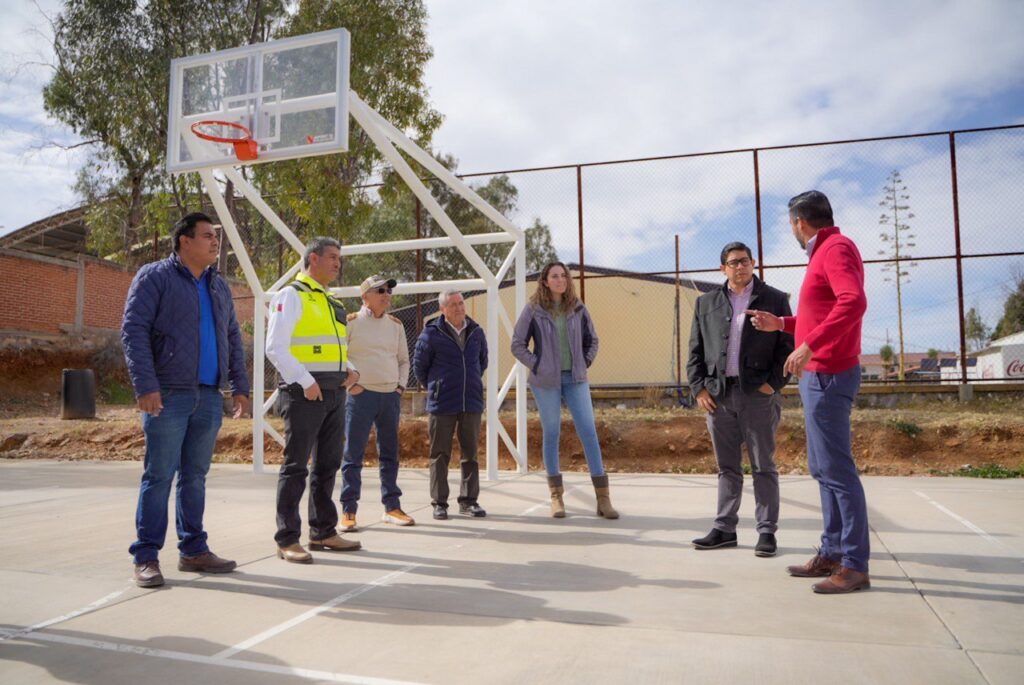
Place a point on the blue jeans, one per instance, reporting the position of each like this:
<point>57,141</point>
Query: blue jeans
<point>363,411</point>
<point>828,399</point>
<point>577,398</point>
<point>178,440</point>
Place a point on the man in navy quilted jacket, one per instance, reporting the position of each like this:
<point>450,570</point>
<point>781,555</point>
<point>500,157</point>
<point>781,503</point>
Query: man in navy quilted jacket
<point>182,344</point>
<point>450,358</point>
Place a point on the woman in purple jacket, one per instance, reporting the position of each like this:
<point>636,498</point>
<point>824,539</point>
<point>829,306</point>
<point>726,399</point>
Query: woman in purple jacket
<point>564,346</point>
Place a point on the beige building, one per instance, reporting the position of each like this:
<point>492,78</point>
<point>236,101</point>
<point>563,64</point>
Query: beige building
<point>635,315</point>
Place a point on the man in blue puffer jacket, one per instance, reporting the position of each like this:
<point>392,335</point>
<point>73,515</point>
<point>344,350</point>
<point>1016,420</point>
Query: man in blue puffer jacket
<point>450,359</point>
<point>182,344</point>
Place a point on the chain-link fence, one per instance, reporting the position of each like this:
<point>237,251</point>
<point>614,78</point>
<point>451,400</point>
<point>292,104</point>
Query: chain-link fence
<point>934,216</point>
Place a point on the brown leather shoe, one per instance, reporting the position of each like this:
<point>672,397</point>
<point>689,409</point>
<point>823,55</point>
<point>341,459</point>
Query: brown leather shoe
<point>147,574</point>
<point>817,567</point>
<point>843,580</point>
<point>207,562</point>
<point>335,543</point>
<point>295,554</point>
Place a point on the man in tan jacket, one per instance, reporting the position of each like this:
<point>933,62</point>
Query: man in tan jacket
<point>377,349</point>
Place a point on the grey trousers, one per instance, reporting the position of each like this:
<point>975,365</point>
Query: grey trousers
<point>752,420</point>
<point>442,430</point>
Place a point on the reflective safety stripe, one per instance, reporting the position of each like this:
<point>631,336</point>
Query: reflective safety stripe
<point>317,340</point>
<point>314,367</point>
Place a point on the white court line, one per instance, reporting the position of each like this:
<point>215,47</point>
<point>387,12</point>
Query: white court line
<point>301,618</point>
<point>968,524</point>
<point>341,599</point>
<point>306,673</point>
<point>66,617</point>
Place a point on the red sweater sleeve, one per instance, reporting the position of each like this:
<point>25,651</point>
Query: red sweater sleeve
<point>845,275</point>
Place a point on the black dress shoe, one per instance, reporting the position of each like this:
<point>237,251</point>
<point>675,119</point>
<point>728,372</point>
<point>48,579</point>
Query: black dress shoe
<point>766,545</point>
<point>473,510</point>
<point>715,539</point>
<point>440,512</point>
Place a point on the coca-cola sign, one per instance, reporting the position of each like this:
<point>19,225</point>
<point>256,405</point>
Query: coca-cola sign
<point>1015,368</point>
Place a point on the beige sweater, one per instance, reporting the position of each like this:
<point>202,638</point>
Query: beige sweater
<point>378,351</point>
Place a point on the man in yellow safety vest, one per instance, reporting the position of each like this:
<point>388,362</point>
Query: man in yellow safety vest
<point>306,342</point>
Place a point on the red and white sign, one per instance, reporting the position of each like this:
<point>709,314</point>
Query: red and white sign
<point>1015,368</point>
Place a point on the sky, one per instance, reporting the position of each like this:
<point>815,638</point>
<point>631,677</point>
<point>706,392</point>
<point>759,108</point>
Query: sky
<point>526,83</point>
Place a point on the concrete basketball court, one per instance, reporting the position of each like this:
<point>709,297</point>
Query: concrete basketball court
<point>514,598</point>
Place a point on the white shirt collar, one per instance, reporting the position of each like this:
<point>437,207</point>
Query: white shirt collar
<point>810,245</point>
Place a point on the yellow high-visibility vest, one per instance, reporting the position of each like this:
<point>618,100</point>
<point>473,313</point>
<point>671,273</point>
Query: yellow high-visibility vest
<point>319,338</point>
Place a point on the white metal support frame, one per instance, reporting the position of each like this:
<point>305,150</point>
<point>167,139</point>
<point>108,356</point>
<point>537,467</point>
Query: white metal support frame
<point>389,140</point>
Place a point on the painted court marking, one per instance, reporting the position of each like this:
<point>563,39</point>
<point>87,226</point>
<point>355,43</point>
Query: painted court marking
<point>65,617</point>
<point>970,526</point>
<point>223,658</point>
<point>238,664</point>
<point>303,617</point>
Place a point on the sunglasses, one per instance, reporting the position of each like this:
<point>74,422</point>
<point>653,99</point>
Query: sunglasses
<point>383,291</point>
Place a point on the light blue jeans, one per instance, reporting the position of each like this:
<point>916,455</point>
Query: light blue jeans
<point>577,399</point>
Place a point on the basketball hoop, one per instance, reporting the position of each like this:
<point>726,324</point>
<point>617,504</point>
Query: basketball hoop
<point>246,149</point>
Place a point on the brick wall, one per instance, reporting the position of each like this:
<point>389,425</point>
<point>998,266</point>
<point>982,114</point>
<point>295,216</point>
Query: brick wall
<point>36,295</point>
<point>106,287</point>
<point>40,295</point>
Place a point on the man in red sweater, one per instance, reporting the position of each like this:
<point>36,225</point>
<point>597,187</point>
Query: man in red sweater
<point>826,360</point>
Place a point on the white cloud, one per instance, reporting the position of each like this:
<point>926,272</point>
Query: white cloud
<point>528,83</point>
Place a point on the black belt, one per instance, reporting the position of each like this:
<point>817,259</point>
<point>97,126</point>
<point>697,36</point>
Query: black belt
<point>731,380</point>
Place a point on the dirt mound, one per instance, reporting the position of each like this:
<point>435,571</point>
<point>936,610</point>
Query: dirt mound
<point>665,441</point>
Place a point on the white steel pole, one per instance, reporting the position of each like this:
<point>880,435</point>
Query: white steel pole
<point>258,353</point>
<point>263,208</point>
<point>520,299</point>
<point>360,113</point>
<point>493,302</point>
<point>242,255</point>
<point>439,170</point>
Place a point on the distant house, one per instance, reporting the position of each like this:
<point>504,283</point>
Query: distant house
<point>635,316</point>
<point>917,366</point>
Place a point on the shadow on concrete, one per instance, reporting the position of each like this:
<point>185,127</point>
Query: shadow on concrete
<point>967,562</point>
<point>104,660</point>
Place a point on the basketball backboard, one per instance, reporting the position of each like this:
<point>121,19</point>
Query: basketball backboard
<point>292,94</point>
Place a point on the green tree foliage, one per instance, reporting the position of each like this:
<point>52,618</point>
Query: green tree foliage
<point>394,218</point>
<point>887,354</point>
<point>110,86</point>
<point>1012,320</point>
<point>975,330</point>
<point>322,195</point>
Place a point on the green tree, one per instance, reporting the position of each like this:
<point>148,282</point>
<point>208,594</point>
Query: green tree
<point>323,195</point>
<point>110,86</point>
<point>933,353</point>
<point>886,353</point>
<point>975,330</point>
<point>1012,320</point>
<point>896,236</point>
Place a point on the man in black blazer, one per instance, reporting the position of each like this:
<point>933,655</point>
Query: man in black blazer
<point>735,372</point>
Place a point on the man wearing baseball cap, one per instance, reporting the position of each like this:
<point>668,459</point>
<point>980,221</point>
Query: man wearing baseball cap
<point>377,349</point>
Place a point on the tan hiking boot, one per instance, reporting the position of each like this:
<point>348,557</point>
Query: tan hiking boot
<point>348,522</point>
<point>557,490</point>
<point>604,498</point>
<point>397,517</point>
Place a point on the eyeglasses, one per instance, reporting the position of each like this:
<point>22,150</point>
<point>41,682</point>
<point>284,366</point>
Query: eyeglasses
<point>383,291</point>
<point>734,263</point>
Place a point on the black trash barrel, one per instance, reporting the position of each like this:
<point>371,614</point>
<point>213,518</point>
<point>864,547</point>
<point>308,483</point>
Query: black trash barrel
<point>78,394</point>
